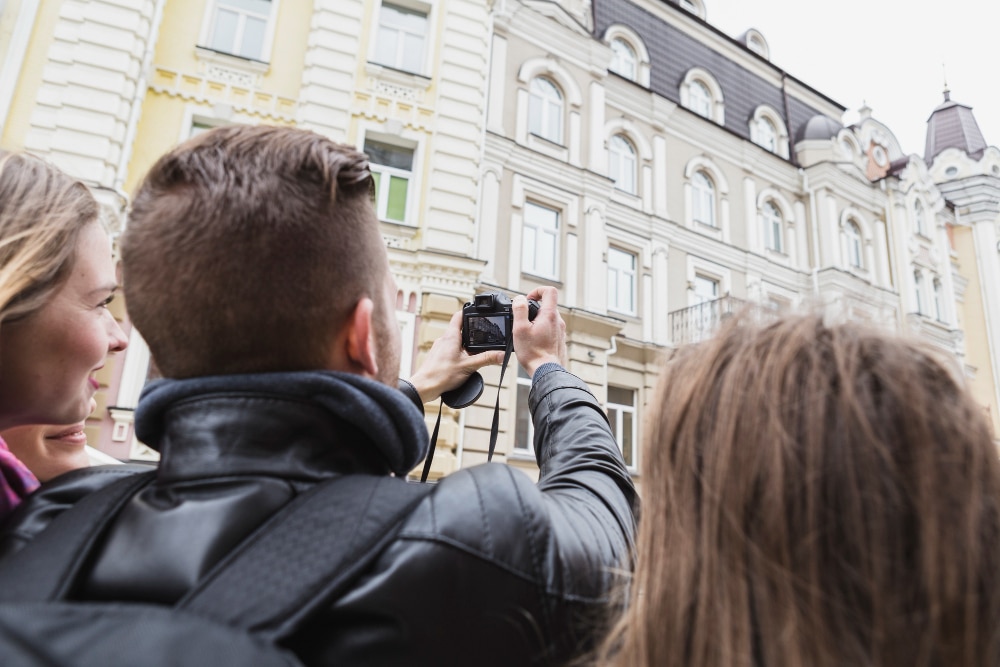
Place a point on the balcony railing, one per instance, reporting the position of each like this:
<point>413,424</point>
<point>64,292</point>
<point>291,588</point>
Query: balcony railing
<point>697,323</point>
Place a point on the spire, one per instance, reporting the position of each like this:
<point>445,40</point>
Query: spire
<point>947,90</point>
<point>952,125</point>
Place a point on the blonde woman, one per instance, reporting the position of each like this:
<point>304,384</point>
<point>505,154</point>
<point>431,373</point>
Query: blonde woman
<point>814,495</point>
<point>57,278</point>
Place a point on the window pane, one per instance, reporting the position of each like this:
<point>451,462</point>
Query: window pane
<point>385,47</point>
<point>627,442</point>
<point>376,177</point>
<point>254,6</point>
<point>546,254</point>
<point>705,289</point>
<point>254,30</point>
<point>224,31</point>
<point>382,153</point>
<point>621,396</point>
<point>396,209</point>
<point>413,53</point>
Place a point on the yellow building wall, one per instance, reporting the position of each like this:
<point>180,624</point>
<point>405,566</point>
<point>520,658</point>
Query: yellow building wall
<point>30,80</point>
<point>983,386</point>
<point>178,87</point>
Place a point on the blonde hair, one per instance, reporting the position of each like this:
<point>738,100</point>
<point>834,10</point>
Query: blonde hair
<point>814,495</point>
<point>42,212</point>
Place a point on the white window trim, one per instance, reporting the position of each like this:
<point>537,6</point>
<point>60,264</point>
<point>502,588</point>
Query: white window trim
<point>919,206</point>
<point>525,190</point>
<point>717,110</point>
<point>636,163</point>
<point>919,293</point>
<point>707,269</point>
<point>429,38</point>
<point>867,258</point>
<point>405,139</point>
<point>632,38</point>
<point>528,451</point>
<point>617,427</point>
<point>546,111</point>
<point>634,277</point>
<point>559,233</point>
<point>266,50</point>
<point>696,7</point>
<point>781,131</point>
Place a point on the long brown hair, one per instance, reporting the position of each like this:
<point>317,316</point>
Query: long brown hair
<point>814,495</point>
<point>42,212</point>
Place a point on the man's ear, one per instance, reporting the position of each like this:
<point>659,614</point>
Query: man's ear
<point>358,343</point>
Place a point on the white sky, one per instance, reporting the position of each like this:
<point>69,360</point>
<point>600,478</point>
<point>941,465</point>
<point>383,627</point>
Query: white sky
<point>888,53</point>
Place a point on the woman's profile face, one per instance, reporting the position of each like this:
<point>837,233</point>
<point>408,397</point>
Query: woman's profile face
<point>48,359</point>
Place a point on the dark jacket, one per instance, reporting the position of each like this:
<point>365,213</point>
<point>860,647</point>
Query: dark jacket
<point>489,569</point>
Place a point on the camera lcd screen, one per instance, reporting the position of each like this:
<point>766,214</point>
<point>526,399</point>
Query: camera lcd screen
<point>487,329</point>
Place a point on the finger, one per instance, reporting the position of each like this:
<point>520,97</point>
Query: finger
<point>477,361</point>
<point>519,308</point>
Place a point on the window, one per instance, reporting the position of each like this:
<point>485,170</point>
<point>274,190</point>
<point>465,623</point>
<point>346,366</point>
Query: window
<point>623,59</point>
<point>853,234</point>
<point>700,99</point>
<point>392,169</point>
<point>938,300</point>
<point>918,291</point>
<point>524,430</point>
<point>621,281</point>
<point>540,249</point>
<point>704,289</point>
<point>401,36</point>
<point>240,27</point>
<point>621,415</point>
<point>920,218</point>
<point>622,163</point>
<point>545,110</point>
<point>773,227</point>
<point>702,199</point>
<point>767,134</point>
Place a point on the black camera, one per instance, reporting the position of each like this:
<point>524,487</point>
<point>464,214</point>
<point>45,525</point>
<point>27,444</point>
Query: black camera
<point>488,320</point>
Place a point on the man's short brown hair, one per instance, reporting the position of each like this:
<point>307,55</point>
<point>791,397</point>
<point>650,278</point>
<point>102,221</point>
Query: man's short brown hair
<point>246,249</point>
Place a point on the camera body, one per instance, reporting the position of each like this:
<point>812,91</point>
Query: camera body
<point>488,321</point>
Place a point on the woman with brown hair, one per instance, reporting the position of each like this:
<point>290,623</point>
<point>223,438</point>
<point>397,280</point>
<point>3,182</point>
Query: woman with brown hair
<point>56,280</point>
<point>814,495</point>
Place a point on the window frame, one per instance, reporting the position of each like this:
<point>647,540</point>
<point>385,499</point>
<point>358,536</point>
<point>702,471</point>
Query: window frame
<point>699,76</point>
<point>209,22</point>
<point>632,275</point>
<point>937,288</point>
<point>700,104</point>
<point>555,233</point>
<point>617,59</point>
<point>381,202</point>
<point>542,109</point>
<point>920,218</point>
<point>617,413</point>
<point>700,196</point>
<point>522,389</point>
<point>855,243</point>
<point>774,227</point>
<point>619,159</point>
<point>399,53</point>
<point>918,291</point>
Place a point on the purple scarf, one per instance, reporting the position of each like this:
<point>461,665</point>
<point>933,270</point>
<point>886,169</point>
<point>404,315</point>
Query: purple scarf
<point>16,481</point>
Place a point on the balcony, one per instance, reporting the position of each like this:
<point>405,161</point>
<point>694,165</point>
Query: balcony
<point>698,323</point>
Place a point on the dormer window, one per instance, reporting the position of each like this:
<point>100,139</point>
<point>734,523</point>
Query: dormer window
<point>624,61</point>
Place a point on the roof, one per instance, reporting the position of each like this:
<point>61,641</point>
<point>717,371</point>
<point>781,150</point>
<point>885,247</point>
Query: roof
<point>952,125</point>
<point>819,127</point>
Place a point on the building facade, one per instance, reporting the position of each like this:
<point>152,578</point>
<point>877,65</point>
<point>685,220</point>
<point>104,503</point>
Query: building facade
<point>659,173</point>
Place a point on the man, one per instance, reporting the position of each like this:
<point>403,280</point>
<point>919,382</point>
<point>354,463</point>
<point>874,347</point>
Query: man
<point>254,268</point>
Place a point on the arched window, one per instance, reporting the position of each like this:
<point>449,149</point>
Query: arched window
<point>702,199</point>
<point>622,163</point>
<point>773,227</point>
<point>767,134</point>
<point>920,218</point>
<point>854,254</point>
<point>918,291</point>
<point>545,110</point>
<point>700,99</point>
<point>624,61</point>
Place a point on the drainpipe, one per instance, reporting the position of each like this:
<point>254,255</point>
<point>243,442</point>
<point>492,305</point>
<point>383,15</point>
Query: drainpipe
<point>136,110</point>
<point>813,228</point>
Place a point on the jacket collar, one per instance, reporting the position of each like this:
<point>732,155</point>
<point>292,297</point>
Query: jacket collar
<point>274,417</point>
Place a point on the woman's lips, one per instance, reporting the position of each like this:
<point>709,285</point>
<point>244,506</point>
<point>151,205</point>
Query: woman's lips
<point>94,383</point>
<point>71,435</point>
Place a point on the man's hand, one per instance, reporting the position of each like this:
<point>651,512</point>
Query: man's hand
<point>447,364</point>
<point>544,339</point>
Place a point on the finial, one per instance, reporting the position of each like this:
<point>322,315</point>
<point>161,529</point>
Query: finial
<point>947,91</point>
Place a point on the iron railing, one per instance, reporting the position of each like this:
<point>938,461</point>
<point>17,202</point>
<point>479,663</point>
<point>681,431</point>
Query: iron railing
<point>699,322</point>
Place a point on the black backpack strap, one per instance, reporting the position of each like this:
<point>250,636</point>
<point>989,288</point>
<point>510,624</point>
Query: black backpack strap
<point>45,568</point>
<point>305,555</point>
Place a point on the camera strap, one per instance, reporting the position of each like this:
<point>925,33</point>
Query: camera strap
<point>494,430</point>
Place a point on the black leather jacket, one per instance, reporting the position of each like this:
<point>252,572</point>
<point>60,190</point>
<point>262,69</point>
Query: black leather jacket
<point>489,569</point>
